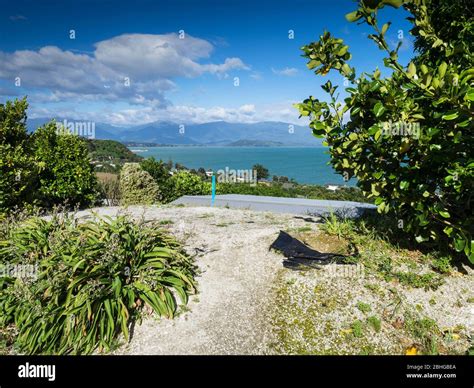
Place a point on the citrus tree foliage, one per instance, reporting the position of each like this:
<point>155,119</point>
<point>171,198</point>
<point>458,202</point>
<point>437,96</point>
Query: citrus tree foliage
<point>17,170</point>
<point>425,177</point>
<point>44,168</point>
<point>137,186</point>
<point>65,173</point>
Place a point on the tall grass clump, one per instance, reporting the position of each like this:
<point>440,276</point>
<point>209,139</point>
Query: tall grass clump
<point>91,281</point>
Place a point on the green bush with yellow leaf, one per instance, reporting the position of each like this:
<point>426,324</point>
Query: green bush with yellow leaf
<point>45,168</point>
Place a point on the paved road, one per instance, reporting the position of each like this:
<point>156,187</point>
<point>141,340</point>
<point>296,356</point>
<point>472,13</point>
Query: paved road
<point>280,205</point>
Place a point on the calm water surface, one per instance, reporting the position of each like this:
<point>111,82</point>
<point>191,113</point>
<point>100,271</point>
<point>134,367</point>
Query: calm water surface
<point>304,164</point>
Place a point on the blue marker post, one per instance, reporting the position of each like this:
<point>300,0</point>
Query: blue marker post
<point>213,196</point>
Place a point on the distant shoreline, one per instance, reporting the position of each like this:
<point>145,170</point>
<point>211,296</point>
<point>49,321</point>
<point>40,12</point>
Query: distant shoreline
<point>217,146</point>
<point>307,165</point>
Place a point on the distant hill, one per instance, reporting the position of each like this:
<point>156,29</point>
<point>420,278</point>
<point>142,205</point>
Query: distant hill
<point>102,131</point>
<point>110,155</point>
<point>106,150</point>
<point>213,133</point>
<point>220,133</point>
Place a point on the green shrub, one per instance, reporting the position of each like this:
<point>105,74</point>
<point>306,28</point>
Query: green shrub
<point>160,172</point>
<point>307,191</point>
<point>185,183</point>
<point>93,280</point>
<point>65,172</point>
<point>423,176</point>
<point>137,186</point>
<point>157,169</point>
<point>45,168</point>
<point>262,172</point>
<point>17,169</point>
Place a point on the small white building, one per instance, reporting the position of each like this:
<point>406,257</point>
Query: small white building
<point>332,187</point>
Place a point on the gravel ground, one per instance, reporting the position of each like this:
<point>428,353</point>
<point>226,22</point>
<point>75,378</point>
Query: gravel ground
<point>230,313</point>
<point>247,303</point>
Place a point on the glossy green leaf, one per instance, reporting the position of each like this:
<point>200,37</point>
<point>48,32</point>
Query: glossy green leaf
<point>379,109</point>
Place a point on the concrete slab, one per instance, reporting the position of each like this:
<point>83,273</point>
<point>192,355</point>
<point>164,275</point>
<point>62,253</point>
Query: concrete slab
<point>302,206</point>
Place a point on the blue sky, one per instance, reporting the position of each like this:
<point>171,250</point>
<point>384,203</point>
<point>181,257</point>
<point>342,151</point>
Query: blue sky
<point>181,80</point>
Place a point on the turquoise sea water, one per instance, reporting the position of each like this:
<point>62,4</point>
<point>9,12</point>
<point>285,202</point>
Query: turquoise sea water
<point>304,164</point>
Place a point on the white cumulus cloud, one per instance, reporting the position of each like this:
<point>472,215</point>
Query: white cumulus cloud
<point>129,67</point>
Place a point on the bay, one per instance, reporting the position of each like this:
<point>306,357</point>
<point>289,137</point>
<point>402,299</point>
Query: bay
<point>304,164</point>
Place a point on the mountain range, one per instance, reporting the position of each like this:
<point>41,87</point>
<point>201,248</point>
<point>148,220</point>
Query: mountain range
<point>222,133</point>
